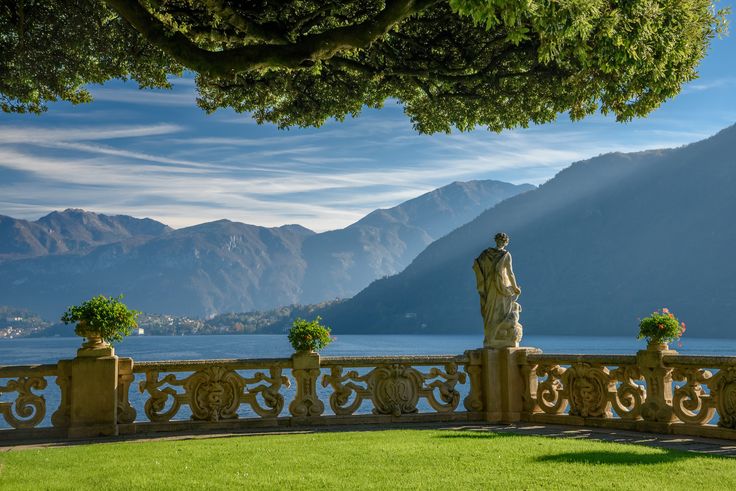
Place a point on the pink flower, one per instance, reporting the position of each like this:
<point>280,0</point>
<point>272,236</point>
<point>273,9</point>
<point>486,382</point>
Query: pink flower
<point>665,310</point>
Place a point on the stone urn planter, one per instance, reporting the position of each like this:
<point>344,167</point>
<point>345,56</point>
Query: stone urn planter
<point>93,338</point>
<point>655,345</point>
<point>100,320</point>
<point>660,329</point>
<point>308,337</point>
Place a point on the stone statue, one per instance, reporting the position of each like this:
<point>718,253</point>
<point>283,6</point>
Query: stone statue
<point>498,294</point>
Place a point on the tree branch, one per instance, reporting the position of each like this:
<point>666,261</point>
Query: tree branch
<point>269,33</point>
<point>309,49</point>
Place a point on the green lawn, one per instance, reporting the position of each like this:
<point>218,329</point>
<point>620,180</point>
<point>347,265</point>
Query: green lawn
<point>396,459</point>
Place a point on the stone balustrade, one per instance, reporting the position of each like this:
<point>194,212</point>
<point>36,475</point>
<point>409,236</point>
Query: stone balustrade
<point>656,391</point>
<point>28,407</point>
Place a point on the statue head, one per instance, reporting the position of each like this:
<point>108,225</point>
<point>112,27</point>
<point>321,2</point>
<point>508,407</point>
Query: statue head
<point>501,239</point>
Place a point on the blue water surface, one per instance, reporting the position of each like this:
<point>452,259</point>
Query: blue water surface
<point>150,348</point>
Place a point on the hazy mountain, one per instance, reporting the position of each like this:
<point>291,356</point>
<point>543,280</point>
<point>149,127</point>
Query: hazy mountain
<point>233,267</point>
<point>342,262</point>
<point>70,231</point>
<point>605,242</point>
<point>202,270</point>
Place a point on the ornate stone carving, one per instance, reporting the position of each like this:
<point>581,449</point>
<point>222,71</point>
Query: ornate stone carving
<point>587,388</point>
<point>270,392</point>
<point>213,393</point>
<point>725,392</point>
<point>629,396</point>
<point>551,394</point>
<point>657,406</point>
<point>444,384</point>
<point>344,388</point>
<point>498,293</point>
<point>306,403</point>
<point>690,403</point>
<point>394,389</point>
<point>590,389</point>
<point>28,409</point>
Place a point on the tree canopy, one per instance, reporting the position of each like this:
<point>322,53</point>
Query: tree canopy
<point>451,63</point>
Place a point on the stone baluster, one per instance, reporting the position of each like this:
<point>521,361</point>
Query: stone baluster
<point>473,402</point>
<point>530,384</point>
<point>61,417</point>
<point>306,370</point>
<point>126,412</point>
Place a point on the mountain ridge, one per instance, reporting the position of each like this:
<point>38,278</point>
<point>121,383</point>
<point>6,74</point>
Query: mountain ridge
<point>72,231</point>
<point>582,254</point>
<point>225,266</point>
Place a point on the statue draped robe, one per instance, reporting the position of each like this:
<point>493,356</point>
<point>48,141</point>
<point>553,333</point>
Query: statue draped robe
<point>498,304</point>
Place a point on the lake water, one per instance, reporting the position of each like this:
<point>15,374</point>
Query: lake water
<point>151,348</point>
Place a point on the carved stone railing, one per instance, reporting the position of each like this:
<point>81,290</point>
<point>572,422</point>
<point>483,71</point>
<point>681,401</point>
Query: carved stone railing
<point>658,391</point>
<point>26,386</point>
<point>706,388</point>
<point>655,391</point>
<point>395,385</point>
<point>213,390</point>
<point>317,390</point>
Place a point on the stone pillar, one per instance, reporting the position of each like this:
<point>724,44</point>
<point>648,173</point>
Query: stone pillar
<point>503,383</point>
<point>93,401</point>
<point>474,400</point>
<point>657,406</point>
<point>306,371</point>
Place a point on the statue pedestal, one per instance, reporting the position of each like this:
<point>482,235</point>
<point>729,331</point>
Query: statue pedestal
<point>501,344</point>
<point>503,384</point>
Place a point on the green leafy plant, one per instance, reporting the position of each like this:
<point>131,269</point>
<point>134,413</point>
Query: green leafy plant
<point>107,317</point>
<point>661,327</point>
<point>309,335</point>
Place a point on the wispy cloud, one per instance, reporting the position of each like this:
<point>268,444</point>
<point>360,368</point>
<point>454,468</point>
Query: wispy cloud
<point>145,97</point>
<point>154,153</point>
<point>718,83</point>
<point>31,135</point>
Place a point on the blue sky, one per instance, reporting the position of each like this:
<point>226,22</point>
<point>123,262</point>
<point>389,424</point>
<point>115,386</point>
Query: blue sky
<point>155,154</point>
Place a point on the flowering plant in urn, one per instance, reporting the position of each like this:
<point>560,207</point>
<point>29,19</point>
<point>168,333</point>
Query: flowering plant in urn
<point>307,336</point>
<point>661,327</point>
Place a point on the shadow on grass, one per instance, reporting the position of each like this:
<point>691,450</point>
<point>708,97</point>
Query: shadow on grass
<point>617,458</point>
<point>597,457</point>
<point>475,435</point>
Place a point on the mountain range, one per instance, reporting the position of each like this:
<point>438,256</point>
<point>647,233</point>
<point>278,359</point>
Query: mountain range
<point>72,231</point>
<point>222,266</point>
<point>602,244</point>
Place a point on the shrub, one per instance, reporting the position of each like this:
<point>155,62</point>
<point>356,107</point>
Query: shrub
<point>106,316</point>
<point>309,335</point>
<point>661,327</point>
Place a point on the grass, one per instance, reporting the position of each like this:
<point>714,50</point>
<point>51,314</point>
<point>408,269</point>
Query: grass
<point>392,459</point>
